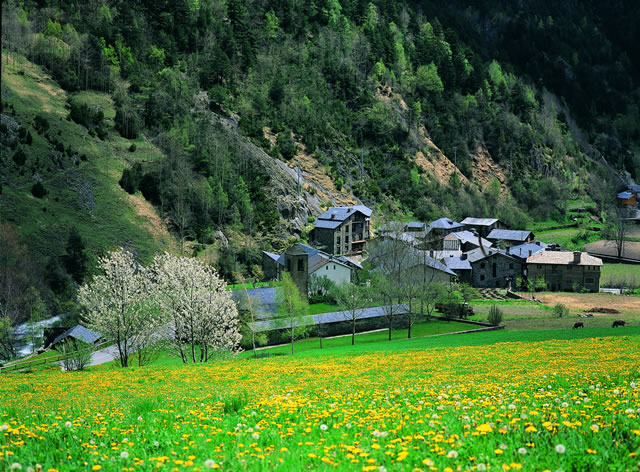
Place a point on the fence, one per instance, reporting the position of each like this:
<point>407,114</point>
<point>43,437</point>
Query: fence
<point>19,365</point>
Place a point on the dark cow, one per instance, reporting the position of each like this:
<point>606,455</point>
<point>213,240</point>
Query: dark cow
<point>578,324</point>
<point>617,323</point>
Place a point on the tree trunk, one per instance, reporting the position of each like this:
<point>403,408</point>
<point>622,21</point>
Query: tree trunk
<point>253,342</point>
<point>390,328</point>
<point>353,333</point>
<point>292,338</point>
<point>409,332</point>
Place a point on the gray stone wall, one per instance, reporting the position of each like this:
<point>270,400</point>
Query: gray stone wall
<point>565,278</point>
<point>492,271</point>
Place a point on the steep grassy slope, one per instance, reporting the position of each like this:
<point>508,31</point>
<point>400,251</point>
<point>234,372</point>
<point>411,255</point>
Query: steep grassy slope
<point>81,182</point>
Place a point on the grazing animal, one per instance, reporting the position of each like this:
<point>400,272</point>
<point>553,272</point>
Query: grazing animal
<point>578,324</point>
<point>617,323</point>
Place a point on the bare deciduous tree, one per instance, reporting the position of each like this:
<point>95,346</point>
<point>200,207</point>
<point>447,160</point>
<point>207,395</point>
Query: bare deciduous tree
<point>353,299</point>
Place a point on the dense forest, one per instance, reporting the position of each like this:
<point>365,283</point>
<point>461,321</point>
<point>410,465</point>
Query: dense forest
<point>548,90</point>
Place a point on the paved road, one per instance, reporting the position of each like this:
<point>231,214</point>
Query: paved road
<point>101,356</point>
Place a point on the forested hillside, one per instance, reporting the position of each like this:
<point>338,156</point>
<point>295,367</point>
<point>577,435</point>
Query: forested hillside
<point>201,110</point>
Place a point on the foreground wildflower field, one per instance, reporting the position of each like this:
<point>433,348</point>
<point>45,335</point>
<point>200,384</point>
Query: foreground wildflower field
<point>552,405</point>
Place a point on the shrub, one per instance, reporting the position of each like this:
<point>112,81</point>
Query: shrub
<point>286,145</point>
<point>77,354</point>
<point>495,315</point>
<point>38,190</point>
<point>19,157</point>
<point>132,148</point>
<point>560,310</point>
<point>41,123</point>
<point>130,180</point>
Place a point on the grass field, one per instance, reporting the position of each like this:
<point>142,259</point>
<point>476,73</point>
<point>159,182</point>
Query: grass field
<point>530,404</point>
<point>419,330</point>
<point>614,275</point>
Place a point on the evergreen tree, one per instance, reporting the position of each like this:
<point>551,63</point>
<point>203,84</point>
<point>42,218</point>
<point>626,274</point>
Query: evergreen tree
<point>75,260</point>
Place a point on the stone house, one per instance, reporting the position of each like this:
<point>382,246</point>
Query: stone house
<point>305,262</point>
<point>491,268</point>
<point>343,230</point>
<point>483,226</point>
<point>461,266</point>
<point>565,270</point>
<point>270,266</point>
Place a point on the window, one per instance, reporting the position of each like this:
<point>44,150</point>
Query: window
<point>288,265</point>
<point>326,267</point>
<point>539,266</point>
<point>300,265</point>
<point>482,277</point>
<point>495,267</point>
<point>511,266</point>
<point>338,240</point>
<point>482,265</point>
<point>346,239</point>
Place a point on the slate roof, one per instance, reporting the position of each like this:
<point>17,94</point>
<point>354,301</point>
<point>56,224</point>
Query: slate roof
<point>478,254</point>
<point>342,213</point>
<point>333,317</point>
<point>468,237</point>
<point>634,188</point>
<point>479,221</point>
<point>563,258</point>
<point>445,223</point>
<point>445,254</point>
<point>522,250</point>
<point>624,195</point>
<point>457,263</point>
<point>327,224</point>
<point>271,255</point>
<point>509,235</point>
<point>349,261</point>
<point>79,332</point>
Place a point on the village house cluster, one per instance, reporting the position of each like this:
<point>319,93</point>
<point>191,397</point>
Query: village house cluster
<point>482,252</point>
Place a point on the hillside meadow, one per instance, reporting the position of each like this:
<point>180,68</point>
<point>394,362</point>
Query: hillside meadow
<point>569,404</point>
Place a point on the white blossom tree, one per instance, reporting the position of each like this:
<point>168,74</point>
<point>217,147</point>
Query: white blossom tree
<point>201,316</point>
<point>118,305</point>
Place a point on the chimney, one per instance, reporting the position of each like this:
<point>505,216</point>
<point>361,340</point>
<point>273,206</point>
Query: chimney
<point>576,257</point>
<point>529,252</point>
<point>463,257</point>
<point>333,215</point>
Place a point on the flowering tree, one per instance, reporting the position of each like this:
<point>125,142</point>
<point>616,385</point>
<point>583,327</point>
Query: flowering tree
<point>117,304</point>
<point>202,317</point>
